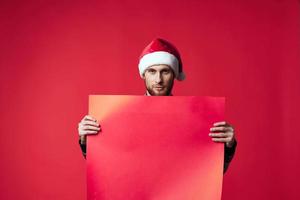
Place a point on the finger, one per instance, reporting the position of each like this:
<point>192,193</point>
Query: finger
<point>227,135</point>
<point>222,123</point>
<point>88,133</point>
<point>92,123</point>
<point>91,132</point>
<point>218,135</point>
<point>221,139</point>
<point>219,129</point>
<point>90,128</point>
<point>90,118</point>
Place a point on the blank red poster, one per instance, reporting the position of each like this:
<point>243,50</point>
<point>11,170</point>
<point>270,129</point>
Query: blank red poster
<point>154,148</point>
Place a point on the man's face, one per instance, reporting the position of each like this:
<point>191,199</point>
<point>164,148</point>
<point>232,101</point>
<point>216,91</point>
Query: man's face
<point>159,80</point>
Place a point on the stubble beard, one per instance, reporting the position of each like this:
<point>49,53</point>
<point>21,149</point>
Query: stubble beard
<point>166,93</point>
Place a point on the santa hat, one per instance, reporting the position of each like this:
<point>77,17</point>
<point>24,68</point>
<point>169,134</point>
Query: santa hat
<point>160,52</point>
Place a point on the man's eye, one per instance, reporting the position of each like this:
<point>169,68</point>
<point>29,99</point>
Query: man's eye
<point>151,71</point>
<point>166,71</point>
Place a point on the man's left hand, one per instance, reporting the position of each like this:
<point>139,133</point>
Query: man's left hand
<point>222,132</point>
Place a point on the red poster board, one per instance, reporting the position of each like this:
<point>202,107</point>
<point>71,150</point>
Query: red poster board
<point>154,148</point>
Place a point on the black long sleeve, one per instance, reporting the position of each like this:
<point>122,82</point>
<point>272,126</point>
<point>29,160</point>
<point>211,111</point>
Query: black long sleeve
<point>228,155</point>
<point>83,148</point>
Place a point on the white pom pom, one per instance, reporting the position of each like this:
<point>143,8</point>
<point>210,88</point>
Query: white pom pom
<point>181,76</point>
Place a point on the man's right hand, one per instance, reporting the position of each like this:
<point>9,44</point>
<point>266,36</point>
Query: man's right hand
<point>88,126</point>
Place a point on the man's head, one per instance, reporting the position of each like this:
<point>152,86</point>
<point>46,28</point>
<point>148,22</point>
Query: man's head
<point>159,65</point>
<point>159,80</point>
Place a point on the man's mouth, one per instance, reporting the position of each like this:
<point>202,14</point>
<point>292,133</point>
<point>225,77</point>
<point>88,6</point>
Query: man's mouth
<point>158,87</point>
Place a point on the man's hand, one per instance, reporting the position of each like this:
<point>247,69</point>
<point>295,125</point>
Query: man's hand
<point>88,126</point>
<point>222,132</point>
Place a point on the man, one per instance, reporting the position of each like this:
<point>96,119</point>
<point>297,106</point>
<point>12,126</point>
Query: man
<point>159,65</point>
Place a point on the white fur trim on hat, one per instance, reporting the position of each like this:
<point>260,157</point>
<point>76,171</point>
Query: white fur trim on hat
<point>159,58</point>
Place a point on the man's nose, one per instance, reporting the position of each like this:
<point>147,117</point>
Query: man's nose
<point>158,78</point>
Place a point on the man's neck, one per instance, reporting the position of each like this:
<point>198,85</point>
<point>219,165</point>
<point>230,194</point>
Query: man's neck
<point>148,94</point>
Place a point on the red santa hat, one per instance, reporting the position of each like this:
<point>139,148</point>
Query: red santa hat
<point>160,51</point>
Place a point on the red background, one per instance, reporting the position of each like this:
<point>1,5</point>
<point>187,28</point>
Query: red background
<point>55,53</point>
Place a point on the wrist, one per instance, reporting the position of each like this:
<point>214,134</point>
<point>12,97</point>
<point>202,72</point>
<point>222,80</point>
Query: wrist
<point>231,144</point>
<point>82,139</point>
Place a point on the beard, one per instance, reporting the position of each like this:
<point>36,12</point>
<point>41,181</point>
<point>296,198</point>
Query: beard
<point>166,91</point>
